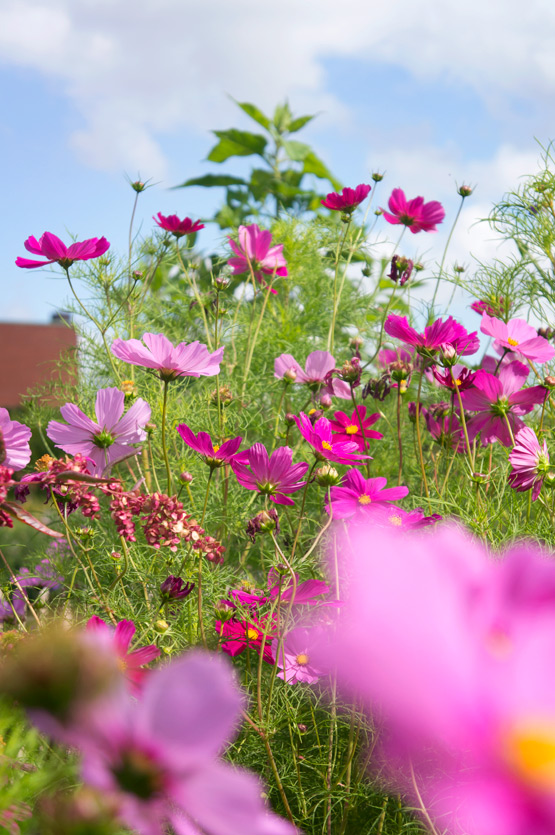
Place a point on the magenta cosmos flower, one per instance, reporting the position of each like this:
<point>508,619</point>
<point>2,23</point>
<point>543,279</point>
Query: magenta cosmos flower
<point>305,593</point>
<point>275,476</point>
<point>254,251</point>
<point>518,336</point>
<point>295,658</point>
<point>177,227</point>
<point>499,402</point>
<point>316,369</point>
<point>15,451</point>
<point>130,663</point>
<point>212,455</point>
<point>358,495</point>
<point>530,463</point>
<point>326,445</point>
<point>435,336</point>
<point>107,440</point>
<point>356,427</point>
<point>417,215</point>
<point>348,200</point>
<point>237,634</point>
<point>158,756</point>
<point>393,516</point>
<point>171,361</point>
<point>450,645</point>
<point>55,251</point>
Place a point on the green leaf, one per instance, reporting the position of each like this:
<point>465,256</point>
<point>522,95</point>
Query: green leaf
<point>253,111</point>
<point>236,143</point>
<point>314,165</point>
<point>282,117</point>
<point>296,151</point>
<point>211,180</point>
<point>299,123</point>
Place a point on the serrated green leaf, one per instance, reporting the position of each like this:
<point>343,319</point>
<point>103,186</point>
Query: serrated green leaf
<point>253,111</point>
<point>296,151</point>
<point>314,165</point>
<point>299,123</point>
<point>236,143</point>
<point>211,180</point>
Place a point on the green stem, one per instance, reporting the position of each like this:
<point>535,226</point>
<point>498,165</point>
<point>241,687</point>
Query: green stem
<point>193,284</point>
<point>302,511</point>
<point>164,446</point>
<point>445,254</point>
<point>201,555</point>
<point>252,344</point>
<point>419,439</point>
<point>336,296</point>
<point>95,321</point>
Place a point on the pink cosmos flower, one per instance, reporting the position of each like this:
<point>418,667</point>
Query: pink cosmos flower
<point>358,495</point>
<point>445,429</point>
<point>158,756</point>
<point>393,516</point>
<point>177,227</point>
<point>435,336</point>
<point>55,251</point>
<point>108,440</point>
<point>214,456</point>
<point>237,634</point>
<point>295,659</point>
<point>500,401</point>
<point>480,306</point>
<point>171,361</point>
<point>305,593</point>
<point>254,251</point>
<point>461,377</point>
<point>316,369</point>
<point>130,663</point>
<point>407,355</point>
<point>450,646</point>
<point>326,446</point>
<point>417,215</point>
<point>348,200</point>
<point>15,451</point>
<point>356,427</point>
<point>275,476</point>
<point>518,336</point>
<point>530,463</point>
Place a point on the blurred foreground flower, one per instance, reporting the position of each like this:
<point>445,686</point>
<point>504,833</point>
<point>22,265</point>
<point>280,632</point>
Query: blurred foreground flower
<point>15,451</point>
<point>450,646</point>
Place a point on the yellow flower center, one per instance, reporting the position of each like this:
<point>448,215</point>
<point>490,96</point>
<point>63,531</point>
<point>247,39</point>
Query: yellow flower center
<point>395,520</point>
<point>122,664</point>
<point>311,411</point>
<point>302,659</point>
<point>352,429</point>
<point>216,448</point>
<point>531,752</point>
<point>512,342</point>
<point>364,499</point>
<point>326,445</point>
<point>252,634</point>
<point>458,382</point>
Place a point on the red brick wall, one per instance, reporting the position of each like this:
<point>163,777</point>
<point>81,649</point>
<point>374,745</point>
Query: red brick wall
<point>29,355</point>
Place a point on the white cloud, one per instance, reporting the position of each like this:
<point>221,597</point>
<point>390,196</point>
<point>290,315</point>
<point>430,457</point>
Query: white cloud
<point>138,69</point>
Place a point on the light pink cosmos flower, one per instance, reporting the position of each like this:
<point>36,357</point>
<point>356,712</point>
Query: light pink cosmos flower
<point>326,446</point>
<point>295,659</point>
<point>130,663</point>
<point>316,368</point>
<point>450,646</point>
<point>529,461</point>
<point>158,756</point>
<point>15,451</point>
<point>55,251</point>
<point>214,456</point>
<point>275,476</point>
<point>356,427</point>
<point>171,361</point>
<point>435,336</point>
<point>417,215</point>
<point>359,495</point>
<point>107,440</point>
<point>254,251</point>
<point>518,336</point>
<point>177,227</point>
<point>500,401</point>
<point>348,200</point>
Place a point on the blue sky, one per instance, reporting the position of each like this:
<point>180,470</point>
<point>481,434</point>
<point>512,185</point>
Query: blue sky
<point>433,93</point>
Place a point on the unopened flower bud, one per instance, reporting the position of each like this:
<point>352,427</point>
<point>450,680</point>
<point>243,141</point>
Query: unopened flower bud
<point>116,555</point>
<point>325,400</point>
<point>458,268</point>
<point>185,477</point>
<point>224,610</point>
<point>549,480</point>
<point>137,275</point>
<point>282,569</point>
<point>377,177</point>
<point>138,186</point>
<point>356,342</point>
<point>351,370</point>
<point>464,191</point>
<point>327,476</point>
<point>547,333</point>
<point>225,396</point>
<point>222,282</point>
<point>150,427</point>
<point>290,375</point>
<point>447,354</point>
<point>161,626</point>
<point>85,534</point>
<point>549,381</point>
<point>289,419</point>
<point>264,522</point>
<point>412,412</point>
<point>302,728</point>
